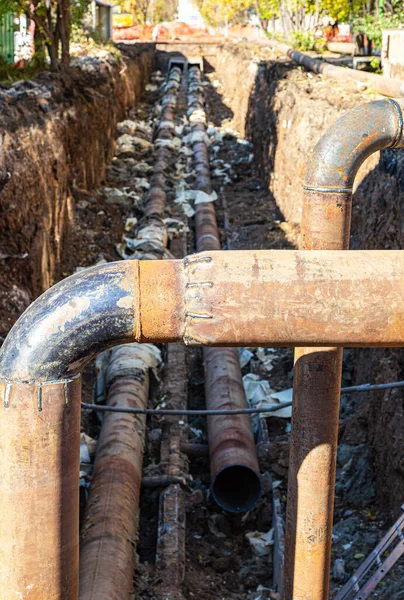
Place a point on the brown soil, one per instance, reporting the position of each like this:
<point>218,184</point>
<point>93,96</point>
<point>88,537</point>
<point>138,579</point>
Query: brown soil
<point>57,137</point>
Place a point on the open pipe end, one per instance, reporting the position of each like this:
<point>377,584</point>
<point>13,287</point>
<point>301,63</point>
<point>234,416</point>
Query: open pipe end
<point>237,488</point>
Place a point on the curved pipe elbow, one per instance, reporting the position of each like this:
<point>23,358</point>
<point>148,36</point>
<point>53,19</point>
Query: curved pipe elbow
<point>91,311</point>
<point>71,322</point>
<point>356,135</point>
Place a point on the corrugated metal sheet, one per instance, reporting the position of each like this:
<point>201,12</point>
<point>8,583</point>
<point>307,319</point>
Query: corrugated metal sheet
<point>7,37</point>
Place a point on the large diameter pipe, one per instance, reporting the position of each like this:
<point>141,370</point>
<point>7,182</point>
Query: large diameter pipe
<point>383,85</point>
<point>39,487</point>
<point>156,196</point>
<point>342,47</point>
<point>218,298</point>
<point>111,518</point>
<point>235,476</point>
<point>326,222</point>
<point>271,298</point>
<point>40,426</point>
<point>236,485</point>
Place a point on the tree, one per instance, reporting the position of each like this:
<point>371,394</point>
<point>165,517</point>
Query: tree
<point>52,20</point>
<point>267,10</point>
<point>223,12</point>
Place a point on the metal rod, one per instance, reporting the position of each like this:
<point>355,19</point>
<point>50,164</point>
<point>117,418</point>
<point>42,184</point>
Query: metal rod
<point>236,484</point>
<point>326,222</point>
<point>369,387</point>
<point>364,387</point>
<point>382,85</point>
<point>185,413</point>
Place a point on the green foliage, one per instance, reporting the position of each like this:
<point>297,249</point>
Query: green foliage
<point>78,9</point>
<point>343,10</point>
<point>373,25</point>
<point>6,6</point>
<point>304,40</point>
<point>90,41</point>
<point>376,65</point>
<point>268,9</point>
<point>222,12</point>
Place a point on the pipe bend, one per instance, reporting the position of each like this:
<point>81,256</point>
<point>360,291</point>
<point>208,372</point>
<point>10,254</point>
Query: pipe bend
<point>340,152</point>
<point>71,322</point>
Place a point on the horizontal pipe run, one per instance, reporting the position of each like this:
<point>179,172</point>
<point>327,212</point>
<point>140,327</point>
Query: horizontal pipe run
<point>220,298</point>
<point>383,85</point>
<point>276,298</point>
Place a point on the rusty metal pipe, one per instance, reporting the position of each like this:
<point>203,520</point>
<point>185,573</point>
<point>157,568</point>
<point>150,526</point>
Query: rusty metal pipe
<point>236,483</point>
<point>112,512</point>
<point>156,197</point>
<point>111,519</point>
<point>215,298</point>
<point>40,425</point>
<point>383,85</point>
<point>326,222</point>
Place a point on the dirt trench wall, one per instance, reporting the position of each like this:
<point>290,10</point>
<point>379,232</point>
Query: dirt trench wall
<point>53,145</point>
<point>284,111</point>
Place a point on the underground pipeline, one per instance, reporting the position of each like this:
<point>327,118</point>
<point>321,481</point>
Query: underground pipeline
<point>111,517</point>
<point>326,223</point>
<point>382,85</point>
<point>236,482</point>
<point>230,298</point>
<point>156,197</point>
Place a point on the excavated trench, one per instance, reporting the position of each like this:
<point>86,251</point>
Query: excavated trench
<point>83,169</point>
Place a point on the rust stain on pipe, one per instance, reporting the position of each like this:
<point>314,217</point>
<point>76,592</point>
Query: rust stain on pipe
<point>326,224</point>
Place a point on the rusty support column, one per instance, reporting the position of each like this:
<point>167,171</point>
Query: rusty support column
<point>40,426</point>
<point>326,222</point>
<point>39,488</point>
<point>236,484</point>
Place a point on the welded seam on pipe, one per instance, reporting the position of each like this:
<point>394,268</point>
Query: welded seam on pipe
<point>400,123</point>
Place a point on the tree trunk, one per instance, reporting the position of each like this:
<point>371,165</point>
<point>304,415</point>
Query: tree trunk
<point>52,37</point>
<point>64,18</point>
